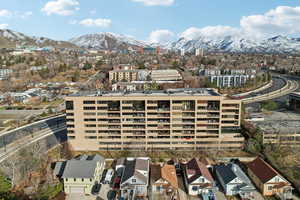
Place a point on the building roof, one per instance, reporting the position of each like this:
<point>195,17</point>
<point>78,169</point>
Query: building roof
<point>169,92</point>
<point>167,172</point>
<point>135,168</point>
<point>79,169</point>
<point>262,170</point>
<point>196,169</point>
<point>155,171</point>
<point>225,172</point>
<point>82,166</point>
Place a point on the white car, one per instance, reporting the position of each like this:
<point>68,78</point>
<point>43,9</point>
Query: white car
<point>108,176</point>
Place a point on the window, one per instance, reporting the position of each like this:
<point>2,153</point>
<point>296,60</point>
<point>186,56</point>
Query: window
<point>270,187</point>
<point>89,102</point>
<point>89,108</point>
<point>195,188</point>
<point>91,180</point>
<point>66,180</point>
<point>74,179</point>
<point>69,105</point>
<point>133,180</point>
<point>82,180</point>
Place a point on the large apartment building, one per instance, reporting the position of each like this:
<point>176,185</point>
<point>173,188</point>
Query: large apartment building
<point>176,119</point>
<point>123,75</point>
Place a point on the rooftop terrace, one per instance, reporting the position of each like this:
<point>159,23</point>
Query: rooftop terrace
<point>169,92</point>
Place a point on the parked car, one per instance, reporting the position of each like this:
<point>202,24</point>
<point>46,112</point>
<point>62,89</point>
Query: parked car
<point>108,176</point>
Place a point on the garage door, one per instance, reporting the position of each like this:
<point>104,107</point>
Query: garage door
<point>77,190</point>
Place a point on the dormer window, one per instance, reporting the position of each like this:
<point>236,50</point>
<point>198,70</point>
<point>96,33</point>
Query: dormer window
<point>133,180</point>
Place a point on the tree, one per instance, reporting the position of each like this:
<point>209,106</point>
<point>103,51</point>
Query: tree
<point>76,76</point>
<point>270,105</point>
<point>87,66</point>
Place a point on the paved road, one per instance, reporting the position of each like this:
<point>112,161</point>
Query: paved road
<point>26,141</point>
<point>291,86</point>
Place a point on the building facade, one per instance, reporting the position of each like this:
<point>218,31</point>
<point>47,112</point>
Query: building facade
<point>229,80</point>
<point>176,119</point>
<point>123,75</point>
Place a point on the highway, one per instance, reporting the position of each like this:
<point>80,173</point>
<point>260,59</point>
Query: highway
<point>52,129</point>
<point>281,86</point>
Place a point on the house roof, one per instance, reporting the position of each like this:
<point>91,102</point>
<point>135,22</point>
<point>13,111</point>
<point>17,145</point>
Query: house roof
<point>168,172</point>
<point>195,168</point>
<point>82,166</point>
<point>155,172</point>
<point>79,169</point>
<point>135,168</point>
<point>262,170</point>
<point>225,173</point>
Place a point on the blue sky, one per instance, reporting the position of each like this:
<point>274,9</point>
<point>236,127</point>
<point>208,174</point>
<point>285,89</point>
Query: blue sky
<point>155,20</point>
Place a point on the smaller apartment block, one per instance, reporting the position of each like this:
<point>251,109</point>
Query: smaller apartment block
<point>177,119</point>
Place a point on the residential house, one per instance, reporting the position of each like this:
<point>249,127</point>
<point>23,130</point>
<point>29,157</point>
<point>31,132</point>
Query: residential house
<point>268,180</point>
<point>163,180</point>
<point>234,181</point>
<point>135,178</point>
<point>197,178</point>
<point>81,174</point>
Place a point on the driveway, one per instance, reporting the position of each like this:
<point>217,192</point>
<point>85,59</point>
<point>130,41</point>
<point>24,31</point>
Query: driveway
<point>220,196</point>
<point>80,197</point>
<point>104,190</point>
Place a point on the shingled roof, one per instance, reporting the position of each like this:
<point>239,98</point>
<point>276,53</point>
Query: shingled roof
<point>167,172</point>
<point>262,170</point>
<point>195,168</point>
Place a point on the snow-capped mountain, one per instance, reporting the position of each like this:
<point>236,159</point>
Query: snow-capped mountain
<point>107,41</point>
<point>238,44</point>
<point>10,39</point>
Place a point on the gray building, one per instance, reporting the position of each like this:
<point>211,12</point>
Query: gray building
<point>234,181</point>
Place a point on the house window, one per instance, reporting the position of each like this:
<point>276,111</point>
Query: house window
<point>66,180</point>
<point>82,180</point>
<point>158,188</point>
<point>133,180</point>
<point>270,187</point>
<point>91,179</point>
<point>74,179</point>
<point>195,188</point>
<point>202,180</point>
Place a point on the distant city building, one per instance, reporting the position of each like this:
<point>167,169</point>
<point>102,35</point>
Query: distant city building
<point>228,77</point>
<point>295,101</point>
<point>123,75</point>
<point>178,119</point>
<point>182,52</point>
<point>165,75</point>
<point>199,52</point>
<point>150,50</point>
<point>229,80</point>
<point>5,73</point>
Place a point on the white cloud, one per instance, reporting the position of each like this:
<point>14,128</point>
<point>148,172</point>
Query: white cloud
<point>283,20</point>
<point>156,2</point>
<point>210,31</point>
<point>3,26</point>
<point>103,23</point>
<point>5,13</point>
<point>161,36</point>
<point>61,7</point>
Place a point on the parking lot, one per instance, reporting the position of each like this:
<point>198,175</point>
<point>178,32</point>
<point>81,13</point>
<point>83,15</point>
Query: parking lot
<point>279,122</point>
